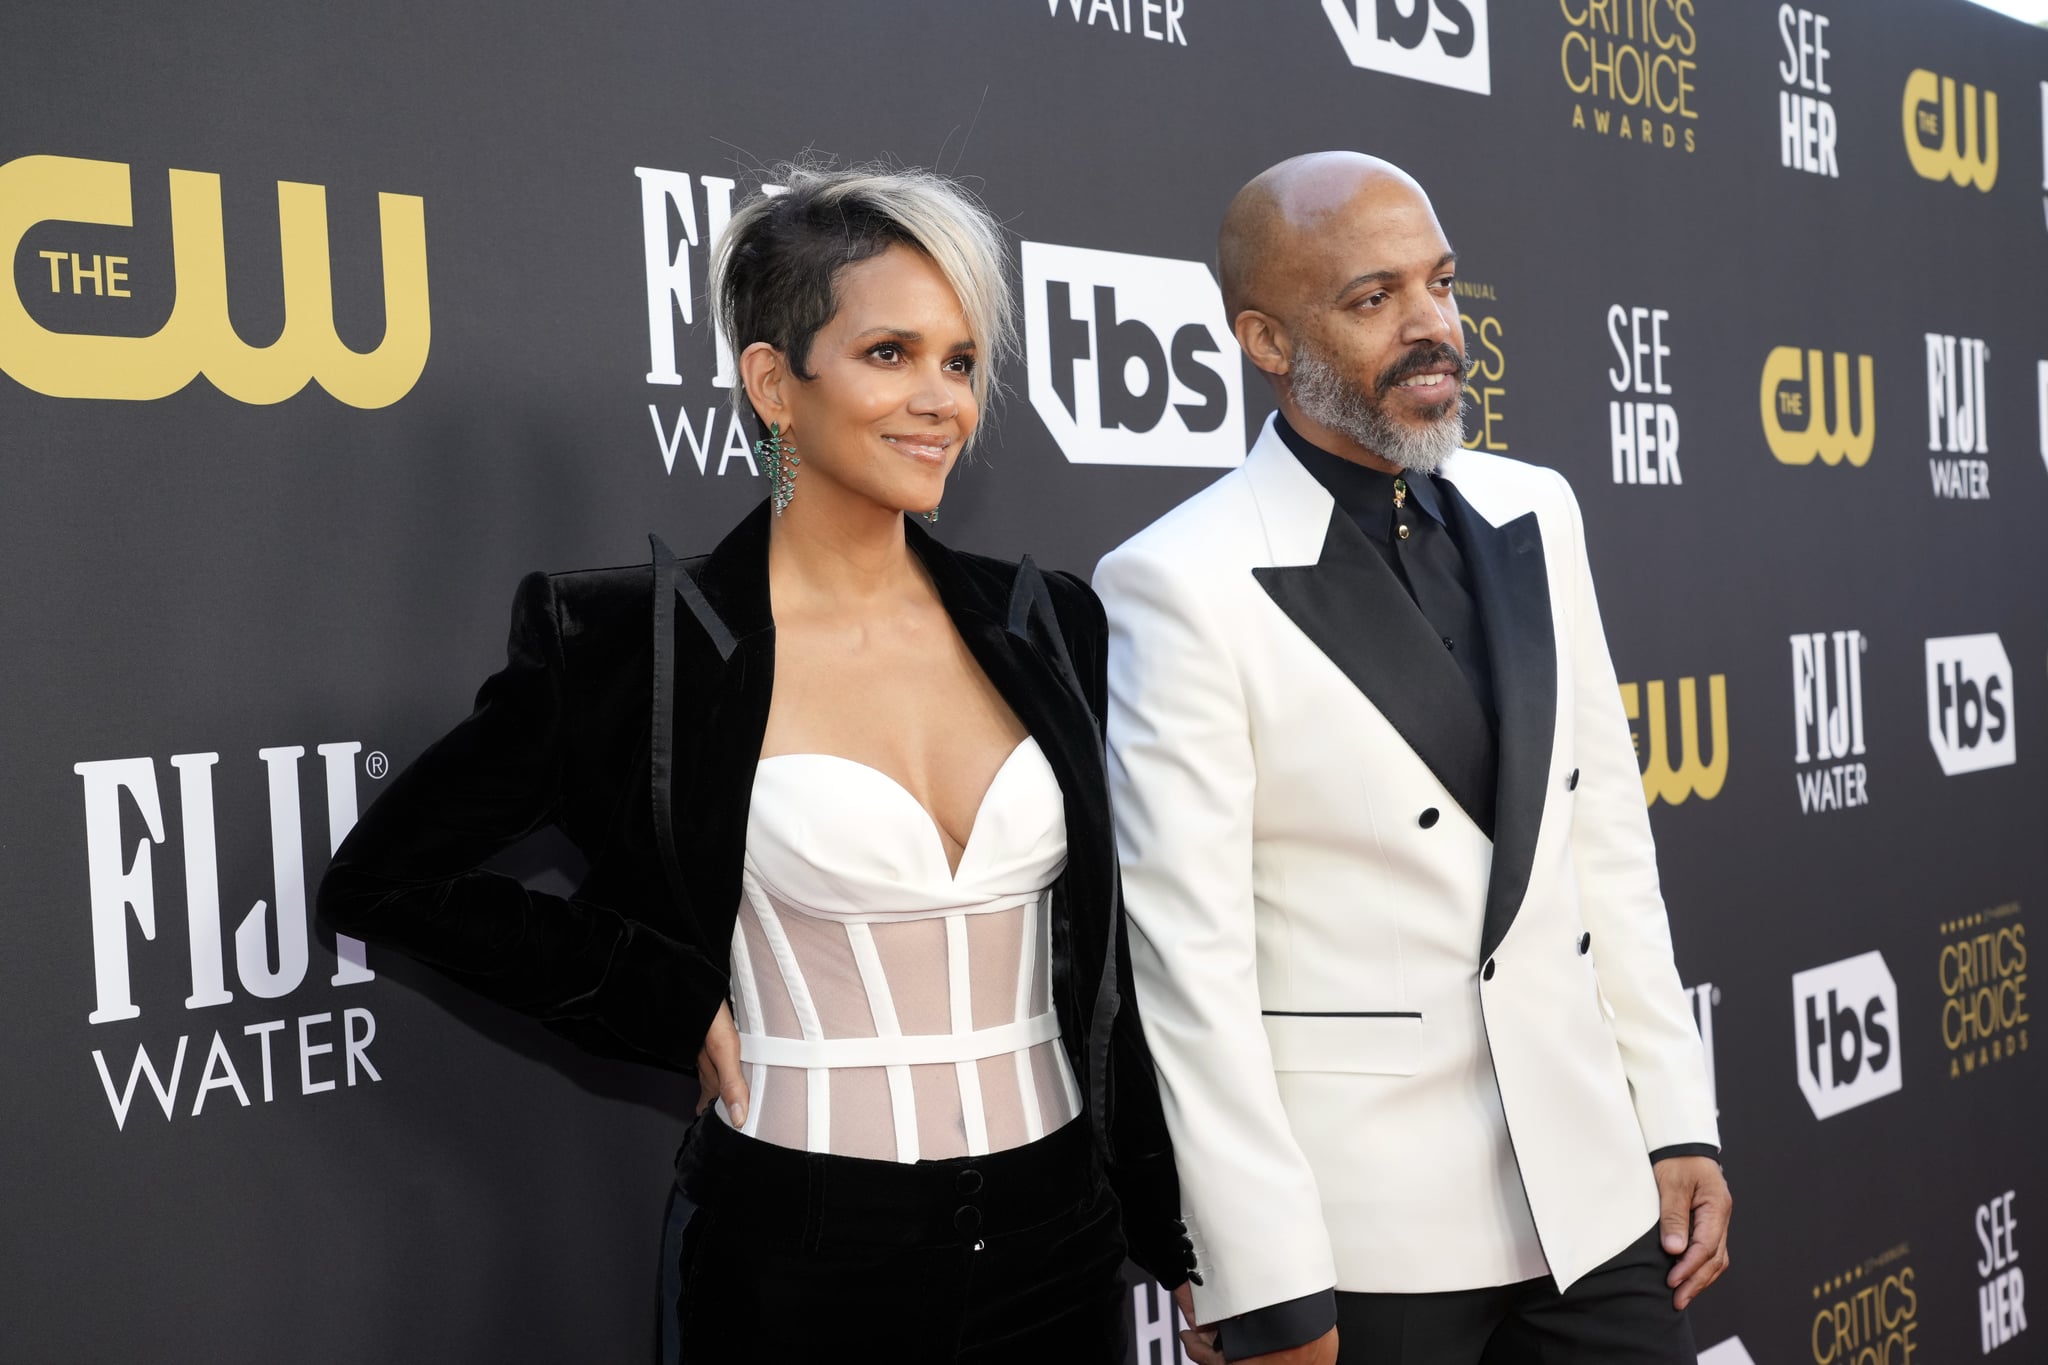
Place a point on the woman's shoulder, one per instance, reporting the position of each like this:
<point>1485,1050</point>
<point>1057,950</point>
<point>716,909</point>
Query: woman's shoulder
<point>603,610</point>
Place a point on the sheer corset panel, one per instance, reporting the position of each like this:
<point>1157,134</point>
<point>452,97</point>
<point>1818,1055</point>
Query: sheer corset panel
<point>890,1006</point>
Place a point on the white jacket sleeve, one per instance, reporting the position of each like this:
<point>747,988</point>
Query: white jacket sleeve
<point>1182,780</point>
<point>1620,899</point>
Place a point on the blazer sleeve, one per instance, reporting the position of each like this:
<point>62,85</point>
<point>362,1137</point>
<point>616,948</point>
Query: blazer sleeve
<point>1141,1168</point>
<point>1620,898</point>
<point>408,877</point>
<point>1182,780</point>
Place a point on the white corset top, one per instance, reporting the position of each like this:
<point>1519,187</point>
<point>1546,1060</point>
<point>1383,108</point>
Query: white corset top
<point>889,1006</point>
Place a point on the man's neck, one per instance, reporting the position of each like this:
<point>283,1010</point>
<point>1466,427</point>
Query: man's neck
<point>1332,440</point>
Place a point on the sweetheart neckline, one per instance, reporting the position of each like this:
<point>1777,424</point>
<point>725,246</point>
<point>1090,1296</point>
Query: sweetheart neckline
<point>938,830</point>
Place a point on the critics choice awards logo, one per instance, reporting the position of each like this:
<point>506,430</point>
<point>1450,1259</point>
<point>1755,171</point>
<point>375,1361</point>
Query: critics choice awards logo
<point>273,957</point>
<point>1982,968</point>
<point>1631,68</point>
<point>2002,1291</point>
<point>1129,359</point>
<point>1970,704</point>
<point>1690,774</point>
<point>1951,132</point>
<point>1827,711</point>
<point>1485,392</point>
<point>78,338</point>
<point>1845,1017</point>
<point>1806,121</point>
<point>1818,405</point>
<point>1642,424</point>
<point>1867,1314</point>
<point>1443,42</point>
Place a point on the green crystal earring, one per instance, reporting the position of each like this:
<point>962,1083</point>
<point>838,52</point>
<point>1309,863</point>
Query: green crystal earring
<point>932,515</point>
<point>778,457</point>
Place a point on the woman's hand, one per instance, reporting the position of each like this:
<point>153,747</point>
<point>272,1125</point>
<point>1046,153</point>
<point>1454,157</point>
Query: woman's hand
<point>718,1068</point>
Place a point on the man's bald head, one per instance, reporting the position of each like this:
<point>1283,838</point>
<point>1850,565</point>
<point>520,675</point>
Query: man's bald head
<point>1264,250</point>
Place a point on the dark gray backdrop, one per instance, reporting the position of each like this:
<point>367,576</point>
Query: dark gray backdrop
<point>194,575</point>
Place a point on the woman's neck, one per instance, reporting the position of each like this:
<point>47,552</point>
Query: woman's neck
<point>839,549</point>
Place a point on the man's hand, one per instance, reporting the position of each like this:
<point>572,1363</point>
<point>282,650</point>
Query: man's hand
<point>1697,1206</point>
<point>718,1068</point>
<point>1200,1342</point>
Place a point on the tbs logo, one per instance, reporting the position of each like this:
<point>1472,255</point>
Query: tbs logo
<point>1130,360</point>
<point>1439,41</point>
<point>1845,1015</point>
<point>1970,703</point>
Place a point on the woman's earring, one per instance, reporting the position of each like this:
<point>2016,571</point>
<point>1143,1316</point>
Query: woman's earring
<point>779,460</point>
<point>932,515</point>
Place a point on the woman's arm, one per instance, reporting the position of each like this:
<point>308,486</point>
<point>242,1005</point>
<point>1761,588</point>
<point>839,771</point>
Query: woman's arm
<point>407,876</point>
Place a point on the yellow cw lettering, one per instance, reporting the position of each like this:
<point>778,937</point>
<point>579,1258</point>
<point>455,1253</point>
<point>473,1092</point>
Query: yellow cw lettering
<point>1829,441</point>
<point>199,337</point>
<point>1662,779</point>
<point>1928,109</point>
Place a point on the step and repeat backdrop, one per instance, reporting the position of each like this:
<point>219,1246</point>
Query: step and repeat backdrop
<point>323,324</point>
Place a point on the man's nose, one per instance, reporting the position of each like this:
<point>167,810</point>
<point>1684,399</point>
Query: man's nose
<point>1429,319</point>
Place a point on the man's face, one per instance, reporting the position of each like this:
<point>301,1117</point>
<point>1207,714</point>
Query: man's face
<point>1377,348</point>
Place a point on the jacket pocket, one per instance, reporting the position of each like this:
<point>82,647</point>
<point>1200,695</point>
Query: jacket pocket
<point>1380,1044</point>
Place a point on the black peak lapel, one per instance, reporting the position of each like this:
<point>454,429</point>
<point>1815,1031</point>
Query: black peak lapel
<point>1510,579</point>
<point>1353,608</point>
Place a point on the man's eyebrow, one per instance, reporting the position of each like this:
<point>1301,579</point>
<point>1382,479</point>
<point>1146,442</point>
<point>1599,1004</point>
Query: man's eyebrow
<point>1393,276</point>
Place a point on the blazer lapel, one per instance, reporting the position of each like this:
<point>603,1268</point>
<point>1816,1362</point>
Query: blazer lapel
<point>714,670</point>
<point>1014,634</point>
<point>1510,580</point>
<point>1350,604</point>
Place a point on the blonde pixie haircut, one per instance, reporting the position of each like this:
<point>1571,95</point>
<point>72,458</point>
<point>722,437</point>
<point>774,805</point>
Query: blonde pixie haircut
<point>775,269</point>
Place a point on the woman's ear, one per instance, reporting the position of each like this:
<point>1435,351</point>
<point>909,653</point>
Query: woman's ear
<point>763,372</point>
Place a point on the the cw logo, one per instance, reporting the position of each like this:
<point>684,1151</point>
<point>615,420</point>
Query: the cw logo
<point>1690,776</point>
<point>200,338</point>
<point>1970,159</point>
<point>1831,440</point>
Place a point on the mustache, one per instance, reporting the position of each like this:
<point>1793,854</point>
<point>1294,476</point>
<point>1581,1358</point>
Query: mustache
<point>1420,359</point>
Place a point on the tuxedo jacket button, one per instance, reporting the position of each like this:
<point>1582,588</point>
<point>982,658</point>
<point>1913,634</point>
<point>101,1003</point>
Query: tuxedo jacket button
<point>1486,972</point>
<point>1428,818</point>
<point>1585,944</point>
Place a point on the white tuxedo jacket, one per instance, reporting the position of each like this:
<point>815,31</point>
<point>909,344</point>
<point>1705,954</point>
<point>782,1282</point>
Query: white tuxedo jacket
<point>1396,1055</point>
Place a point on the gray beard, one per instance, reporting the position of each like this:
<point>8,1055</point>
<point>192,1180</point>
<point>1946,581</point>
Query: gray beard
<point>1326,394</point>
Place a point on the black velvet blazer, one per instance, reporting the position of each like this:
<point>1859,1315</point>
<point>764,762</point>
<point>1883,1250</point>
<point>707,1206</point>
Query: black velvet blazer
<point>630,714</point>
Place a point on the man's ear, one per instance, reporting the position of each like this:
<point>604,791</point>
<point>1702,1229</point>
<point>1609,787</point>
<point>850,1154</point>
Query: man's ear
<point>763,373</point>
<point>1265,341</point>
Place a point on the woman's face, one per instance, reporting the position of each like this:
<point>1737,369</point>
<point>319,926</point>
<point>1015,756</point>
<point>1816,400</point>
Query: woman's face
<point>891,400</point>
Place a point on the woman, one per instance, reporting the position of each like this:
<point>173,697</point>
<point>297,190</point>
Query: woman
<point>842,793</point>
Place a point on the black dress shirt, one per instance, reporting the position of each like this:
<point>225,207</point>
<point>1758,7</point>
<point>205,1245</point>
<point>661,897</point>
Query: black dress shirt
<point>1403,517</point>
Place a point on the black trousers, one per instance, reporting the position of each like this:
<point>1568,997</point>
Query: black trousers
<point>795,1256</point>
<point>1618,1314</point>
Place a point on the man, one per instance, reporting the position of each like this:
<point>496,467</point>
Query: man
<point>1433,1085</point>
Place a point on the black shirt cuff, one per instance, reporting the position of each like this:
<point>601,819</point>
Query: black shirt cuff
<point>1686,1149</point>
<point>1278,1326</point>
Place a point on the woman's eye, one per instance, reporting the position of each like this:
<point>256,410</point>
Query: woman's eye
<point>888,350</point>
<point>961,364</point>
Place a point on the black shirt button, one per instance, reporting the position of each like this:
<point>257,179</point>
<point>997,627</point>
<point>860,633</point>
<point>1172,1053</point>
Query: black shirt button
<point>1428,818</point>
<point>1448,644</point>
<point>1486,972</point>
<point>1585,944</point>
<point>970,1182</point>
<point>1571,784</point>
<point>967,1220</point>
